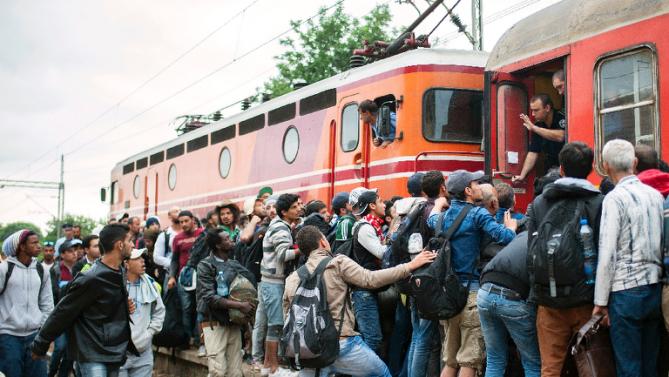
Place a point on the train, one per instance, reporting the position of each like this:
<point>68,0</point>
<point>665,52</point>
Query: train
<point>454,110</point>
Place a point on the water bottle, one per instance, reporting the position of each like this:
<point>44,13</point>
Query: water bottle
<point>221,286</point>
<point>589,256</point>
<point>552,245</point>
<point>415,244</point>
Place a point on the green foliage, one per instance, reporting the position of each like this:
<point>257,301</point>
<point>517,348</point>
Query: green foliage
<point>87,224</point>
<point>7,229</point>
<point>323,46</point>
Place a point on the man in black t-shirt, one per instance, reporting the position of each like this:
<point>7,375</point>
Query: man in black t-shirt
<point>548,134</point>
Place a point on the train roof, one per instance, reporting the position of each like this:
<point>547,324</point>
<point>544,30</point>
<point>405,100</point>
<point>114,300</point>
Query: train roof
<point>406,59</point>
<point>566,22</point>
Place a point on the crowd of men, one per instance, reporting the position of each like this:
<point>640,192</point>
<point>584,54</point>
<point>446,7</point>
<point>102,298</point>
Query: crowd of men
<point>101,299</point>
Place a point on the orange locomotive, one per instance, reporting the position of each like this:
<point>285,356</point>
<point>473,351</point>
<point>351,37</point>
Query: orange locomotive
<point>312,142</point>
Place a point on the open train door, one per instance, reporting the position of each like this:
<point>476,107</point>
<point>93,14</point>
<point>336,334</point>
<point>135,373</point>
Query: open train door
<point>508,136</point>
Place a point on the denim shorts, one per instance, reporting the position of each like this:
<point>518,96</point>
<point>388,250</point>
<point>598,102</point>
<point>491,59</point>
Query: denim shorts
<point>272,296</point>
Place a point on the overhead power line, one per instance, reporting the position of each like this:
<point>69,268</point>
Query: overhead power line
<point>135,90</point>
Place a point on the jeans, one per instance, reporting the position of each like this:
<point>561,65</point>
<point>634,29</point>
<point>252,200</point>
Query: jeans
<point>188,316</point>
<point>138,366</point>
<point>366,309</point>
<point>60,363</point>
<point>355,359</point>
<point>501,318</point>
<point>271,296</point>
<point>16,357</point>
<point>635,326</point>
<point>98,369</point>
<point>259,334</point>
<point>399,341</point>
<point>422,341</point>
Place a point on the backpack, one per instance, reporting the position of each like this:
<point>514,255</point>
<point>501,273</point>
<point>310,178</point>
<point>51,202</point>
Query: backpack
<point>555,274</point>
<point>348,247</point>
<point>234,282</point>
<point>250,256</point>
<point>10,269</point>
<point>310,338</point>
<point>173,333</point>
<point>436,287</point>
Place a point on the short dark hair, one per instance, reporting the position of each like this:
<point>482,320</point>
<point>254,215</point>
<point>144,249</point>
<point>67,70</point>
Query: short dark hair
<point>86,243</point>
<point>541,183</point>
<point>576,159</point>
<point>213,238</point>
<point>110,234</point>
<point>433,181</point>
<point>544,98</point>
<point>210,214</point>
<point>284,202</point>
<point>308,239</point>
<point>505,195</point>
<point>314,206</point>
<point>368,106</point>
<point>647,157</point>
<point>132,219</point>
<point>186,213</point>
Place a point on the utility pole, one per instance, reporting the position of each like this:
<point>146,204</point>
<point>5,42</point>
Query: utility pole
<point>477,24</point>
<point>61,197</point>
<point>46,185</point>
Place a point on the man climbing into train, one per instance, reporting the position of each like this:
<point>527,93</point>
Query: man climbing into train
<point>548,134</point>
<point>369,114</point>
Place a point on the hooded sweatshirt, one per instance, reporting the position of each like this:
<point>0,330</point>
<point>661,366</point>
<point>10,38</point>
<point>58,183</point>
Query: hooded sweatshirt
<point>27,301</point>
<point>147,320</point>
<point>656,179</point>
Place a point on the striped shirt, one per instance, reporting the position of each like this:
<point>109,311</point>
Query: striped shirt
<point>630,237</point>
<point>277,250</point>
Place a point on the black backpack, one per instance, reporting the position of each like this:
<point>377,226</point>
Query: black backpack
<point>436,288</point>
<point>563,267</point>
<point>198,251</point>
<point>250,256</point>
<point>173,333</point>
<point>310,337</point>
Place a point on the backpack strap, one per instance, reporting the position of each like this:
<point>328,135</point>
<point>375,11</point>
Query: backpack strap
<point>458,221</point>
<point>10,268</point>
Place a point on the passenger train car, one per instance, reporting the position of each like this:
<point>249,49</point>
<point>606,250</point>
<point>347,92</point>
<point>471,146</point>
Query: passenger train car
<point>312,142</point>
<point>615,54</point>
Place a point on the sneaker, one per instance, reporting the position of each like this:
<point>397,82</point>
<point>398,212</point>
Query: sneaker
<point>201,352</point>
<point>264,372</point>
<point>282,372</point>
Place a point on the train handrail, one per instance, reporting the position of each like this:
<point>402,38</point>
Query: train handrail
<point>446,153</point>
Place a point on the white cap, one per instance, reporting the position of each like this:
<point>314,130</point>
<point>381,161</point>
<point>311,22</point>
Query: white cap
<point>136,253</point>
<point>355,194</point>
<point>249,204</point>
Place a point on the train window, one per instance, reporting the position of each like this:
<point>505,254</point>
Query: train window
<point>453,115</point>
<point>291,144</point>
<point>136,187</point>
<point>253,124</point>
<point>282,114</point>
<point>224,162</point>
<point>175,151</point>
<point>128,168</point>
<point>157,158</point>
<point>626,98</point>
<point>172,177</point>
<point>197,143</point>
<point>223,134</point>
<point>142,163</point>
<point>319,101</point>
<point>113,192</point>
<point>350,127</point>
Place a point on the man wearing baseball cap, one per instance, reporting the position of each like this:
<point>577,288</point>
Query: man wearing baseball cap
<point>461,346</point>
<point>368,250</point>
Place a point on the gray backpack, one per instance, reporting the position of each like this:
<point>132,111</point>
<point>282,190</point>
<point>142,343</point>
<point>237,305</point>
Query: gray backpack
<point>310,338</point>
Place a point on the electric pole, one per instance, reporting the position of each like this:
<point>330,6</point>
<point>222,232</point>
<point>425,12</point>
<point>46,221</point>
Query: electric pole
<point>477,24</point>
<point>47,185</point>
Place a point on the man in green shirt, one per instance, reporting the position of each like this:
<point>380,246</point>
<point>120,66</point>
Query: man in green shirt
<point>228,217</point>
<point>341,206</point>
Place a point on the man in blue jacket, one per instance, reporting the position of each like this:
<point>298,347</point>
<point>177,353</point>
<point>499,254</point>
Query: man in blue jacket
<point>463,345</point>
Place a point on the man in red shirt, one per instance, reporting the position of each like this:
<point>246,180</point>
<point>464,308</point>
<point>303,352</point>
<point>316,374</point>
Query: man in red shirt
<point>181,246</point>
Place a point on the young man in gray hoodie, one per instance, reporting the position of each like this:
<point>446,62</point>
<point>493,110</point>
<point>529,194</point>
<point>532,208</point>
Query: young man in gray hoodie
<point>25,303</point>
<point>147,319</point>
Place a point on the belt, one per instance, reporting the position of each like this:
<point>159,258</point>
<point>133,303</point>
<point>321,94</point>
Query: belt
<point>507,293</point>
<point>211,324</point>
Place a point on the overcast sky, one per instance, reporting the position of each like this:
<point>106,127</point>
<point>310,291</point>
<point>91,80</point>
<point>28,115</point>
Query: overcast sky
<point>70,69</point>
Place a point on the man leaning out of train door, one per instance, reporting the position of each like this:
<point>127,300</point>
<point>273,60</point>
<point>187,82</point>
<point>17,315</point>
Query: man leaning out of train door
<point>369,114</point>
